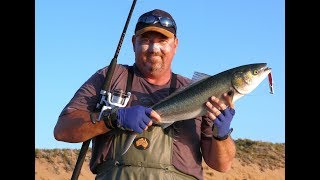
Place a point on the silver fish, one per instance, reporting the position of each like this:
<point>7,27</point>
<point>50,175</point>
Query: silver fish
<point>189,102</point>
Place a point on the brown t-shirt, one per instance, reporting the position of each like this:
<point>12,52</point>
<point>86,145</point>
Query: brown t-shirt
<point>187,155</point>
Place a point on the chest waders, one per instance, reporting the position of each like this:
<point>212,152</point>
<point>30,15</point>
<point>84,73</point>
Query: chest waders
<point>150,155</point>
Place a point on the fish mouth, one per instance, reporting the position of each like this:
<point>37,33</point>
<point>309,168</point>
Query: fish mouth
<point>265,69</point>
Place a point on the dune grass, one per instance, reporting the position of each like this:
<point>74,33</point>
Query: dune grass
<point>266,155</point>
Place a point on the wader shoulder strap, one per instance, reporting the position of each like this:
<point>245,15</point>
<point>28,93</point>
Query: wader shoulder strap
<point>173,83</point>
<point>129,79</point>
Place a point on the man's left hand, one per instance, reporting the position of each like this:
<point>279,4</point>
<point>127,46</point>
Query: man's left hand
<point>221,115</point>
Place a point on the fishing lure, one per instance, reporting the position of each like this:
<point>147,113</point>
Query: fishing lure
<point>270,83</point>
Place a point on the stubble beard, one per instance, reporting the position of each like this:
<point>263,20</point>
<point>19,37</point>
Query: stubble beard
<point>154,67</point>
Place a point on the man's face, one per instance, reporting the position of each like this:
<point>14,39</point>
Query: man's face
<point>154,52</point>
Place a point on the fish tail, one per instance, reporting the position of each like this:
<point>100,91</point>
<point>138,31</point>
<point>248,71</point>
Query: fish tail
<point>128,142</point>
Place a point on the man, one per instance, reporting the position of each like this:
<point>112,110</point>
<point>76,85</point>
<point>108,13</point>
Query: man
<point>175,152</point>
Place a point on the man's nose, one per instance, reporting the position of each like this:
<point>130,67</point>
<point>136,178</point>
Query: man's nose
<point>154,47</point>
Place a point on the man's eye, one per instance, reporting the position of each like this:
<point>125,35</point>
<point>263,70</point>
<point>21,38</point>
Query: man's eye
<point>144,40</point>
<point>163,41</point>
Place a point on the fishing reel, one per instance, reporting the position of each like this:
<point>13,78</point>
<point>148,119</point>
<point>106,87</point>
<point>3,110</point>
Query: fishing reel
<point>116,98</point>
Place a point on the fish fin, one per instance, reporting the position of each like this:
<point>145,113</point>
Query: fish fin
<point>231,94</point>
<point>197,76</point>
<point>128,142</point>
<point>165,125</point>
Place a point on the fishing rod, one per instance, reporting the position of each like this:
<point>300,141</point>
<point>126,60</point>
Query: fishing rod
<point>103,104</point>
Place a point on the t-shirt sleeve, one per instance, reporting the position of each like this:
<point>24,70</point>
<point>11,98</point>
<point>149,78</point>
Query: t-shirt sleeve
<point>86,97</point>
<point>206,127</point>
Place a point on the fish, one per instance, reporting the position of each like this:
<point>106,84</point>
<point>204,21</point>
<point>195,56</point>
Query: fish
<point>189,102</point>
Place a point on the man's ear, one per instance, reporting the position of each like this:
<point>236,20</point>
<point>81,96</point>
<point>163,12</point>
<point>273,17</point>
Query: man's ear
<point>133,39</point>
<point>176,42</point>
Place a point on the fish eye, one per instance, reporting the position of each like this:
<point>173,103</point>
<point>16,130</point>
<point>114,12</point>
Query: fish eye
<point>255,72</point>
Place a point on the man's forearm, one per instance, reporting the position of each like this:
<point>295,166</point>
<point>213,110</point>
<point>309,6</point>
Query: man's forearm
<point>77,127</point>
<point>219,155</point>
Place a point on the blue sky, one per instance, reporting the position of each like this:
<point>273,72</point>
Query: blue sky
<point>74,38</point>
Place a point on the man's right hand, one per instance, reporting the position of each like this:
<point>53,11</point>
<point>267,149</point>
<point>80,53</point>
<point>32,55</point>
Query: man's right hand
<point>136,118</point>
